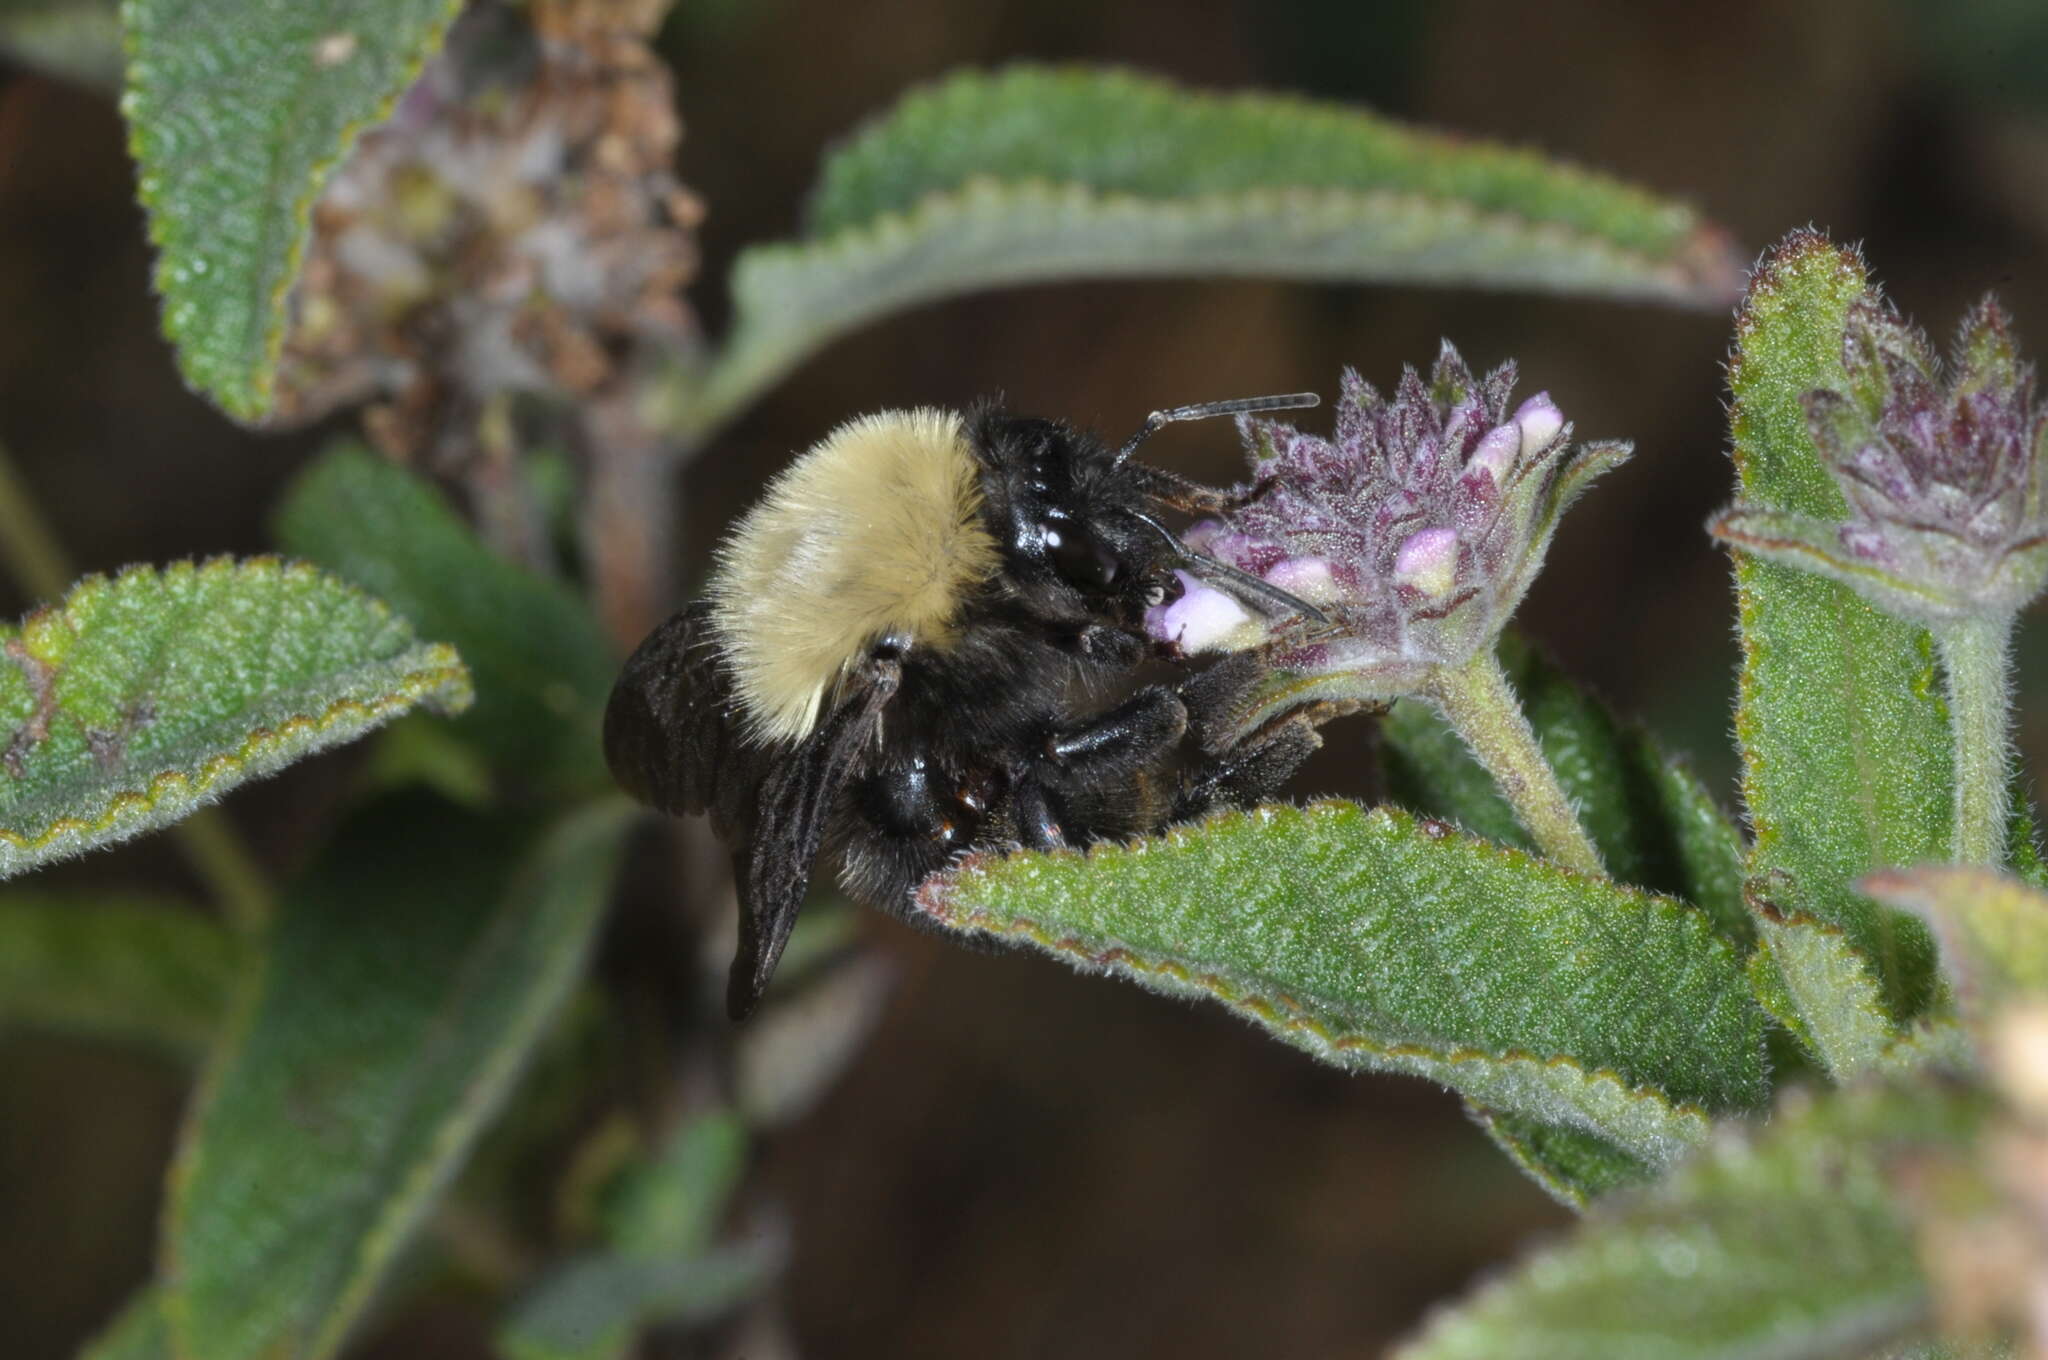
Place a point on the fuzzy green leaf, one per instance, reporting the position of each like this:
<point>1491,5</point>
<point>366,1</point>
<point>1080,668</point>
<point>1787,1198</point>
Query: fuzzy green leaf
<point>1656,825</point>
<point>408,978</point>
<point>1993,930</point>
<point>1574,1166</point>
<point>152,973</point>
<point>543,666</point>
<point>1845,740</point>
<point>143,697</point>
<point>1376,941</point>
<point>80,39</point>
<point>1789,1242</point>
<point>236,115</point>
<point>1035,174</point>
<point>1811,979</point>
<point>593,1307</point>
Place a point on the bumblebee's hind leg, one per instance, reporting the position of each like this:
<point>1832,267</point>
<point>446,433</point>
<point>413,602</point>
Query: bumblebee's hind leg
<point>903,823</point>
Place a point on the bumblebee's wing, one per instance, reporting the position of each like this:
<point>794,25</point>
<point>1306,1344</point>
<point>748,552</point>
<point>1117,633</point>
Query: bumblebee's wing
<point>797,798</point>
<point>671,728</point>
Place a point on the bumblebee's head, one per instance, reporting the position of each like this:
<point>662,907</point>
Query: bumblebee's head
<point>1072,517</point>
<point>1067,516</point>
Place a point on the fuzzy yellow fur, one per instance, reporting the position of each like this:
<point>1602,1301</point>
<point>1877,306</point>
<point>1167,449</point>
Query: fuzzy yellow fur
<point>874,530</point>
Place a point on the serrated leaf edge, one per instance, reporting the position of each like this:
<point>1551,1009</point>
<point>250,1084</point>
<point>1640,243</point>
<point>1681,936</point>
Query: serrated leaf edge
<point>1281,1013</point>
<point>609,816</point>
<point>488,1085</point>
<point>254,401</point>
<point>928,104</point>
<point>437,679</point>
<point>756,354</point>
<point>1870,1004</point>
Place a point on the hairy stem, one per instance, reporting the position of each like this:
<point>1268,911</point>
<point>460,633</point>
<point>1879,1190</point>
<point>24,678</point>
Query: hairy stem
<point>1973,662</point>
<point>36,561</point>
<point>1481,708</point>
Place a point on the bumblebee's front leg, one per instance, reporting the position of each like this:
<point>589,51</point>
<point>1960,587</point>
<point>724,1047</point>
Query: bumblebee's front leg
<point>1190,497</point>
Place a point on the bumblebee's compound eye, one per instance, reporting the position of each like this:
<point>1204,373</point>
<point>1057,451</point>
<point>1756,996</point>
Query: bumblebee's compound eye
<point>1079,555</point>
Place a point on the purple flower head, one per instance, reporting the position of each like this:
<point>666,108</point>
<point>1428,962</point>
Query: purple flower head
<point>1942,472</point>
<point>1417,526</point>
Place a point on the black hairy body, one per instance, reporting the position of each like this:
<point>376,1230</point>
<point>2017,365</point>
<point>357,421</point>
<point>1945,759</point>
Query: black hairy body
<point>983,693</point>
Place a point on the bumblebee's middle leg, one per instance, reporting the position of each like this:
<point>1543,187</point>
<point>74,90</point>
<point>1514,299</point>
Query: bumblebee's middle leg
<point>1091,779</point>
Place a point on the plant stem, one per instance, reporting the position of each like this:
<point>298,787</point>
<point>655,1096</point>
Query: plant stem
<point>215,849</point>
<point>221,857</point>
<point>1481,708</point>
<point>33,556</point>
<point>1973,662</point>
<point>629,514</point>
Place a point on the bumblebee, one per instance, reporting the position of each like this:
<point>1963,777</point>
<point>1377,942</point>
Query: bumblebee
<point>903,655</point>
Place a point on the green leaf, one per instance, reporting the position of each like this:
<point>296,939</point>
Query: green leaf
<point>152,973</point>
<point>143,697</point>
<point>1035,174</point>
<point>669,1205</point>
<point>1656,825</point>
<point>543,666</point>
<point>80,39</point>
<point>1993,930</point>
<point>408,978</point>
<point>1791,1241</point>
<point>139,1333</point>
<point>593,1307</point>
<point>1810,978</point>
<point>236,115</point>
<point>1576,1167</point>
<point>1376,941</point>
<point>658,1218</point>
<point>1845,739</point>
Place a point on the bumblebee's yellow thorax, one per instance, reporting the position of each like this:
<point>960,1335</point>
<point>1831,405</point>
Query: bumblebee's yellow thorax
<point>874,530</point>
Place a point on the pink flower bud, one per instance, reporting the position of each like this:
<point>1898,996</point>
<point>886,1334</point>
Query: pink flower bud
<point>1428,562</point>
<point>1202,619</point>
<point>1539,420</point>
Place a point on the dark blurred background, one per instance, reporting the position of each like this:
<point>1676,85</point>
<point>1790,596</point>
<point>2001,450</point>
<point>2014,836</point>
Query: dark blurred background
<point>1023,1161</point>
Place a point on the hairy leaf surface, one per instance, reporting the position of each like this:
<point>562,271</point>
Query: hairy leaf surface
<point>1576,1167</point>
<point>156,974</point>
<point>1812,980</point>
<point>408,978</point>
<point>1035,174</point>
<point>542,664</point>
<point>1656,826</point>
<point>1992,927</point>
<point>236,114</point>
<point>142,697</point>
<point>1790,1241</point>
<point>1374,940</point>
<point>1845,741</point>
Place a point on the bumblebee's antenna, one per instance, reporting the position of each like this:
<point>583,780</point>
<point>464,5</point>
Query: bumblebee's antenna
<point>1242,406</point>
<point>1243,579</point>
